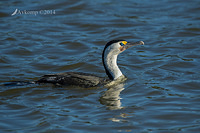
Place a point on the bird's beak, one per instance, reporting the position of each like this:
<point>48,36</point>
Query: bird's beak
<point>128,45</point>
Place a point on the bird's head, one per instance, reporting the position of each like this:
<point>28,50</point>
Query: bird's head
<point>117,46</point>
<point>109,56</point>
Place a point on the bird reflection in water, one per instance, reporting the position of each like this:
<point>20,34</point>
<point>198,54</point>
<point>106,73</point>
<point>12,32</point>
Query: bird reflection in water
<point>111,97</point>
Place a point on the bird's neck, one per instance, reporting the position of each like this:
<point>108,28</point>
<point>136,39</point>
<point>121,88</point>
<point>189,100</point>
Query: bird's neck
<point>110,64</point>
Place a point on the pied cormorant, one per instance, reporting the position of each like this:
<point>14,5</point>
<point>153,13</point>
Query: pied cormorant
<point>109,57</point>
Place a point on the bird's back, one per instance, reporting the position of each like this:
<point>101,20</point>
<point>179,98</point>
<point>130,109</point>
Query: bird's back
<point>72,78</point>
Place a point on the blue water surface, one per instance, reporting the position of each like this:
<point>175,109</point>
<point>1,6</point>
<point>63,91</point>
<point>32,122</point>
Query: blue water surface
<point>161,93</point>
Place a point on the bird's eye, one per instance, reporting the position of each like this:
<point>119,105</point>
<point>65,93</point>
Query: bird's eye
<point>121,44</point>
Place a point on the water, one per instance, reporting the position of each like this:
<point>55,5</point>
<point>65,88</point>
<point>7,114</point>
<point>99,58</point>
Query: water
<point>161,95</point>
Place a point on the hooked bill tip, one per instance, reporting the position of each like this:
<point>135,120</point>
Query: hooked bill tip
<point>141,43</point>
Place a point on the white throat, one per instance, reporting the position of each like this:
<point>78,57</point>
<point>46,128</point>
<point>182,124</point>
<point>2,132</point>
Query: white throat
<point>110,62</point>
